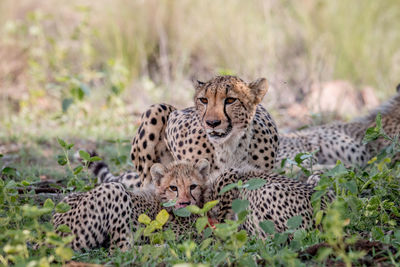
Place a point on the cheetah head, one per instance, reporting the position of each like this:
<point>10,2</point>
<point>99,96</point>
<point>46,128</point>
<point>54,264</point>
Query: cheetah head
<point>226,105</point>
<point>181,181</point>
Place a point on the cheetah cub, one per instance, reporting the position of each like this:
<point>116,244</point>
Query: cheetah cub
<point>108,215</point>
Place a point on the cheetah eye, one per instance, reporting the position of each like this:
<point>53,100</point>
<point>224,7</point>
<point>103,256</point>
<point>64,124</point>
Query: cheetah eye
<point>203,100</point>
<point>173,188</point>
<point>193,186</point>
<point>230,100</point>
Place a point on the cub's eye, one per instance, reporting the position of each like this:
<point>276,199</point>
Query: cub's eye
<point>173,188</point>
<point>229,100</point>
<point>193,186</point>
<point>203,100</point>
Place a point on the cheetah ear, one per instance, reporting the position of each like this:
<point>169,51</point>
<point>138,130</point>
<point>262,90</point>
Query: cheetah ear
<point>157,172</point>
<point>259,88</point>
<point>203,166</point>
<point>198,84</point>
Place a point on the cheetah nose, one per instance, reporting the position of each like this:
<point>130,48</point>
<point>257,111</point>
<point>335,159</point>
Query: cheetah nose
<point>213,123</point>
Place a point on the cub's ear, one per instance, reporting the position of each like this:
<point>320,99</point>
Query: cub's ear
<point>203,166</point>
<point>198,84</point>
<point>157,172</point>
<point>259,88</point>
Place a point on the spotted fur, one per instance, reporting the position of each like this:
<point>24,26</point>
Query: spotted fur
<point>278,200</point>
<point>343,141</point>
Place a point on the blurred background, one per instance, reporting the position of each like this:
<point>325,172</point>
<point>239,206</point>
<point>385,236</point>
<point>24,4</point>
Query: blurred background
<point>85,70</point>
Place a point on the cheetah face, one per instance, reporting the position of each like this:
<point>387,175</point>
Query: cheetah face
<point>181,181</point>
<point>226,105</point>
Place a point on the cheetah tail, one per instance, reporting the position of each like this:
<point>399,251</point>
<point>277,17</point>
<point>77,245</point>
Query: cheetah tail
<point>100,169</point>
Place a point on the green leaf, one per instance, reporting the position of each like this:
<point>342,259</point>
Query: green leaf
<point>149,229</point>
<point>33,211</point>
<point>78,169</point>
<point>48,204</point>
<point>242,216</point>
<point>317,195</point>
<point>62,207</point>
<point>193,209</point>
<point>219,258</point>
<point>62,160</point>
<point>25,183</point>
<point>351,186</point>
<point>281,238</point>
<point>84,155</point>
<point>201,224</point>
<point>182,212</point>
<point>1,155</point>
<point>300,157</point>
<point>144,219</point>
<point>268,227</point>
<point>323,253</point>
<point>207,232</point>
<point>294,222</point>
<point>162,217</point>
<point>241,237</point>
<point>84,88</point>
<point>247,261</point>
<point>63,228</point>
<point>255,183</point>
<point>61,142</point>
<point>10,171</point>
<point>170,203</point>
<point>169,235</point>
<point>374,133</point>
<point>338,170</point>
<point>318,217</point>
<point>239,205</point>
<point>94,158</point>
<point>205,244</point>
<point>209,205</point>
<point>65,253</point>
<point>227,188</point>
<point>66,103</point>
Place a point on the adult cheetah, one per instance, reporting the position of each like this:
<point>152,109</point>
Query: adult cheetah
<point>227,126</point>
<point>344,141</point>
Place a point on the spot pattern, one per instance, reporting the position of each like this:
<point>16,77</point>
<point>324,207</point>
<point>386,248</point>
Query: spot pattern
<point>278,200</point>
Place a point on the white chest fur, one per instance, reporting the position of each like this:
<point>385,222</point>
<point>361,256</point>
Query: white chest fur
<point>234,152</point>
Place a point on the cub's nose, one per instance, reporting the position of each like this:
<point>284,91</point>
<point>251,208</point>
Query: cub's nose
<point>213,123</point>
